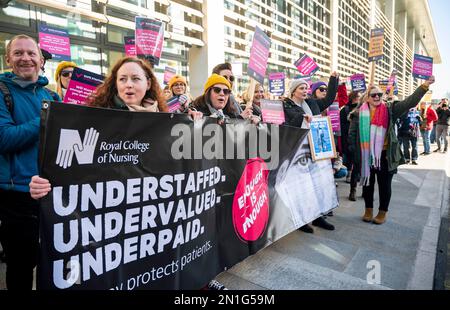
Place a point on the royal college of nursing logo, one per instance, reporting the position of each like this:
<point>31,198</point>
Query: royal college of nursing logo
<point>70,143</point>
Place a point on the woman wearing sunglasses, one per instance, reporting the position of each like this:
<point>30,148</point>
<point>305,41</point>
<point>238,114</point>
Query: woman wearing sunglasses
<point>178,89</point>
<point>375,147</point>
<point>319,90</point>
<point>215,100</point>
<point>63,74</point>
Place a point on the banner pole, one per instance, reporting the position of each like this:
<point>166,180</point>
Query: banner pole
<point>372,73</point>
<point>251,94</point>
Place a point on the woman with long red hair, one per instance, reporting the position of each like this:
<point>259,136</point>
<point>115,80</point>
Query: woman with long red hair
<point>131,85</point>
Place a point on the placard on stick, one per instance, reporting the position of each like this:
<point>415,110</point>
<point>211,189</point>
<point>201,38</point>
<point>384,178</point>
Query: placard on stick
<point>149,35</point>
<point>259,54</point>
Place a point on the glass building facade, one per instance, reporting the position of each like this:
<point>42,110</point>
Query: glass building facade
<point>334,32</point>
<point>97,39</point>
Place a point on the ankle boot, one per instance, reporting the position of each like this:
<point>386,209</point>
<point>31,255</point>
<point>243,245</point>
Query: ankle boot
<point>307,229</point>
<point>380,218</point>
<point>368,215</point>
<point>352,196</point>
<point>320,222</point>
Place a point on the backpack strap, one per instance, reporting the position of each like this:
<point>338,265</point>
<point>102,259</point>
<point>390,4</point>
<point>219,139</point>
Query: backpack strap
<point>53,94</point>
<point>8,97</point>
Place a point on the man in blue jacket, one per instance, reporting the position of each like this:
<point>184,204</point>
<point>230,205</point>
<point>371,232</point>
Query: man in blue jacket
<point>19,135</point>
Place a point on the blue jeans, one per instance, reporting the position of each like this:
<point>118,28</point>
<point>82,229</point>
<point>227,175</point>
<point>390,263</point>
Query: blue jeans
<point>433,134</point>
<point>426,140</point>
<point>405,141</point>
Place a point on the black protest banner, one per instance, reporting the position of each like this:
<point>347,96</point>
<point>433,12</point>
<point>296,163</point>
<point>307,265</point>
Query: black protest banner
<point>156,201</point>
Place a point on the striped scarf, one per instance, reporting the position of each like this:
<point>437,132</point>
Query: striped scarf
<point>372,136</point>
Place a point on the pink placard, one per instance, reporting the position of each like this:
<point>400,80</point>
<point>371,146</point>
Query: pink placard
<point>259,54</point>
<point>422,67</point>
<point>81,86</point>
<point>149,35</point>
<point>334,114</point>
<point>130,46</point>
<point>55,41</point>
<point>272,111</point>
<point>168,74</point>
<point>306,65</point>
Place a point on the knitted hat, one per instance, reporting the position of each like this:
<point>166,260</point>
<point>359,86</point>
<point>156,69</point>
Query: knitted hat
<point>62,65</point>
<point>177,79</point>
<point>215,79</point>
<point>316,85</point>
<point>294,84</point>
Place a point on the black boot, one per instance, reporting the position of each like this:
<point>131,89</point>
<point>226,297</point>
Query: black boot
<point>352,196</point>
<point>307,229</point>
<point>320,222</point>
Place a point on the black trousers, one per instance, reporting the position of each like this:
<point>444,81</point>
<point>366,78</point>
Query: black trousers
<point>354,179</point>
<point>384,178</point>
<point>19,235</point>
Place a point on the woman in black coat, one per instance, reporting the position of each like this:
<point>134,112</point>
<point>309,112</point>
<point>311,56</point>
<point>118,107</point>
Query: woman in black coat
<point>299,110</point>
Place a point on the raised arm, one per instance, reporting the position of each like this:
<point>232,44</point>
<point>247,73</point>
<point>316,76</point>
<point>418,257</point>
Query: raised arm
<point>413,100</point>
<point>331,93</point>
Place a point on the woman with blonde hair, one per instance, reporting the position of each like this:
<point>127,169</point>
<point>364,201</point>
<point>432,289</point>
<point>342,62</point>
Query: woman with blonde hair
<point>375,147</point>
<point>63,74</point>
<point>255,103</point>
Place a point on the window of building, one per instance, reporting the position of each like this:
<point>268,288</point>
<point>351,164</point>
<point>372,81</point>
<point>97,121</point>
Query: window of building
<point>4,39</point>
<point>73,23</point>
<point>16,14</point>
<point>115,34</point>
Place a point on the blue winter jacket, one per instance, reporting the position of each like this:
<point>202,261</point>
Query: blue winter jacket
<point>19,132</point>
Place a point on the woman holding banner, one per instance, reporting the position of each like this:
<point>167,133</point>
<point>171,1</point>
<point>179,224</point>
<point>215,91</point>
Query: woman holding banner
<point>178,90</point>
<point>375,147</point>
<point>256,102</point>
<point>131,86</point>
<point>299,110</point>
<point>216,102</point>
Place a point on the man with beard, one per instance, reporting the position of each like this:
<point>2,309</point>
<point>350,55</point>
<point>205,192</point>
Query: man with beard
<point>21,96</point>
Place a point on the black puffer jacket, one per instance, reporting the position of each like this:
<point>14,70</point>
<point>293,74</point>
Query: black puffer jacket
<point>294,113</point>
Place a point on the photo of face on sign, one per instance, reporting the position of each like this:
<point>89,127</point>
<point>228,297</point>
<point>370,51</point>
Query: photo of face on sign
<point>321,139</point>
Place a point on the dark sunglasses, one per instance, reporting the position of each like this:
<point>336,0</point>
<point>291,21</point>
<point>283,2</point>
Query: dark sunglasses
<point>379,95</point>
<point>66,73</point>
<point>229,78</point>
<point>217,90</point>
<point>322,90</point>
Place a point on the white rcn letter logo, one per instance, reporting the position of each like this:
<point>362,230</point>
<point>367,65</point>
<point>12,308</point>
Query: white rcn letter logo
<point>374,274</point>
<point>70,143</point>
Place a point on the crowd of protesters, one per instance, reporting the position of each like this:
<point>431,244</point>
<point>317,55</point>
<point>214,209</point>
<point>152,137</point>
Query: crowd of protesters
<point>368,141</point>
